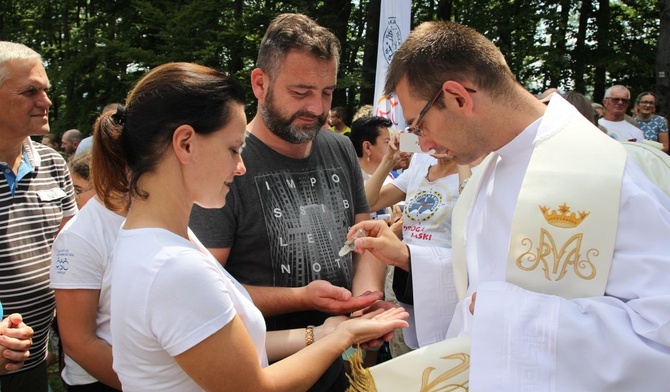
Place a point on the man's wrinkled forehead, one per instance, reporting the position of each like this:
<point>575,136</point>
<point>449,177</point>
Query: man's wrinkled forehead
<point>24,74</point>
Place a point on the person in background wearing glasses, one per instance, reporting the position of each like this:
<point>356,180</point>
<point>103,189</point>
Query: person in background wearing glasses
<point>530,329</point>
<point>616,103</point>
<point>653,126</point>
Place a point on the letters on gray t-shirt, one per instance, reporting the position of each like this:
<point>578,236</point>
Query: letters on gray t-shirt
<point>286,219</point>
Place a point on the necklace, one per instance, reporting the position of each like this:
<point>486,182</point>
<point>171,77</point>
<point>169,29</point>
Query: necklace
<point>434,172</point>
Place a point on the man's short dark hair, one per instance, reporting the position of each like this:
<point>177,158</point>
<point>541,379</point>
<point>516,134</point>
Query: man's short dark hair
<point>340,111</point>
<point>299,32</point>
<point>438,51</point>
<point>366,129</point>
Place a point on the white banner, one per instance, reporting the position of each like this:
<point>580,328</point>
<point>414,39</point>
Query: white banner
<point>394,27</point>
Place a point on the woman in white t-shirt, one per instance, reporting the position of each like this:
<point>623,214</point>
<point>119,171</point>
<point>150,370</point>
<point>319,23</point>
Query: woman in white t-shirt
<point>80,276</point>
<point>179,321</point>
<point>429,188</point>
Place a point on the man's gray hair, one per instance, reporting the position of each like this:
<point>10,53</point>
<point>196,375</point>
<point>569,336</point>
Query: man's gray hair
<point>14,51</point>
<point>616,87</point>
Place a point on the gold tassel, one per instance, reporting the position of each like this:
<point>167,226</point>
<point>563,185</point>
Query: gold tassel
<point>361,379</point>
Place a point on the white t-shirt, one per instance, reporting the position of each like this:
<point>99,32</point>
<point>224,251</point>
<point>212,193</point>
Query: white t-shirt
<point>168,295</point>
<point>428,205</point>
<point>427,232</point>
<point>622,131</point>
<point>80,260</point>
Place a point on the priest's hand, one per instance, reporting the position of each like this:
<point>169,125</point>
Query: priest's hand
<point>325,297</point>
<point>382,243</point>
<point>472,303</point>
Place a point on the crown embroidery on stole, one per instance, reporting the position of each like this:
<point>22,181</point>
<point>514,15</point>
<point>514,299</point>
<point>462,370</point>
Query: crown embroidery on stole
<point>557,261</point>
<point>563,218</point>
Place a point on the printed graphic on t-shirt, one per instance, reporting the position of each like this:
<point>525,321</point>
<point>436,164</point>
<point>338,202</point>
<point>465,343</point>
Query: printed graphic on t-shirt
<point>424,205</point>
<point>424,210</point>
<point>306,218</point>
<point>62,265</point>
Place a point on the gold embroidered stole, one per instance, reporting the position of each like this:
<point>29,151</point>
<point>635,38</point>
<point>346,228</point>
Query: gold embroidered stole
<point>442,366</point>
<point>565,219</point>
<point>563,234</point>
<point>566,216</point>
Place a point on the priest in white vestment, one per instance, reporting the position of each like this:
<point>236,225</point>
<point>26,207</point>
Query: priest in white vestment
<point>596,315</point>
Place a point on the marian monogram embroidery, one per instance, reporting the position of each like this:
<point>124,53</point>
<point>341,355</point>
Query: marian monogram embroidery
<point>444,381</point>
<point>557,261</point>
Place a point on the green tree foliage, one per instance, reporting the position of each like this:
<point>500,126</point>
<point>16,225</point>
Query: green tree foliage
<point>663,60</point>
<point>95,50</point>
<point>634,31</point>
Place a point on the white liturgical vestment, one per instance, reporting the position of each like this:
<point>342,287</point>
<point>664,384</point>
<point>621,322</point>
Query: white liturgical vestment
<point>527,341</point>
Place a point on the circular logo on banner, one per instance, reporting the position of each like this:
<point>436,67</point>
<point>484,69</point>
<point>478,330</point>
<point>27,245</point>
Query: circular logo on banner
<point>392,39</point>
<point>386,107</point>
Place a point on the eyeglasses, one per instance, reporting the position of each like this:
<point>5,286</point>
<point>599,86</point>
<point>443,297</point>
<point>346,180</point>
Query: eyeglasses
<point>619,100</point>
<point>647,103</point>
<point>414,128</point>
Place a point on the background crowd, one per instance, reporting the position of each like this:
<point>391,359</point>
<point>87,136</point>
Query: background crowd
<point>193,186</point>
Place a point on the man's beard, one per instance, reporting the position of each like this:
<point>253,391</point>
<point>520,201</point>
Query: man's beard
<point>284,128</point>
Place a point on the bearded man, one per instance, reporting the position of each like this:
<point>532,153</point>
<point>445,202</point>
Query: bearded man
<point>286,219</point>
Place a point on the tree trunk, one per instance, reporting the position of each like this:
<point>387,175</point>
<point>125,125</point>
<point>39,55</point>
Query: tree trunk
<point>558,69</point>
<point>370,52</point>
<point>3,11</point>
<point>237,50</point>
<point>579,61</point>
<point>602,53</point>
<point>445,10</point>
<point>334,15</point>
<point>663,60</point>
<point>556,63</point>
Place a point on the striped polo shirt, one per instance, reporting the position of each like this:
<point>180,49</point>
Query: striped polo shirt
<point>30,214</point>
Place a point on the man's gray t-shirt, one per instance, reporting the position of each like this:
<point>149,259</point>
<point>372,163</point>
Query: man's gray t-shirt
<point>286,219</point>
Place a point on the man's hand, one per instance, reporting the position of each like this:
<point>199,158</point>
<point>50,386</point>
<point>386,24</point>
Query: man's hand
<point>384,305</point>
<point>15,343</point>
<point>382,242</point>
<point>330,299</point>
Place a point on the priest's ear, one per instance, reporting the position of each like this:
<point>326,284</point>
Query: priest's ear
<point>456,96</point>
